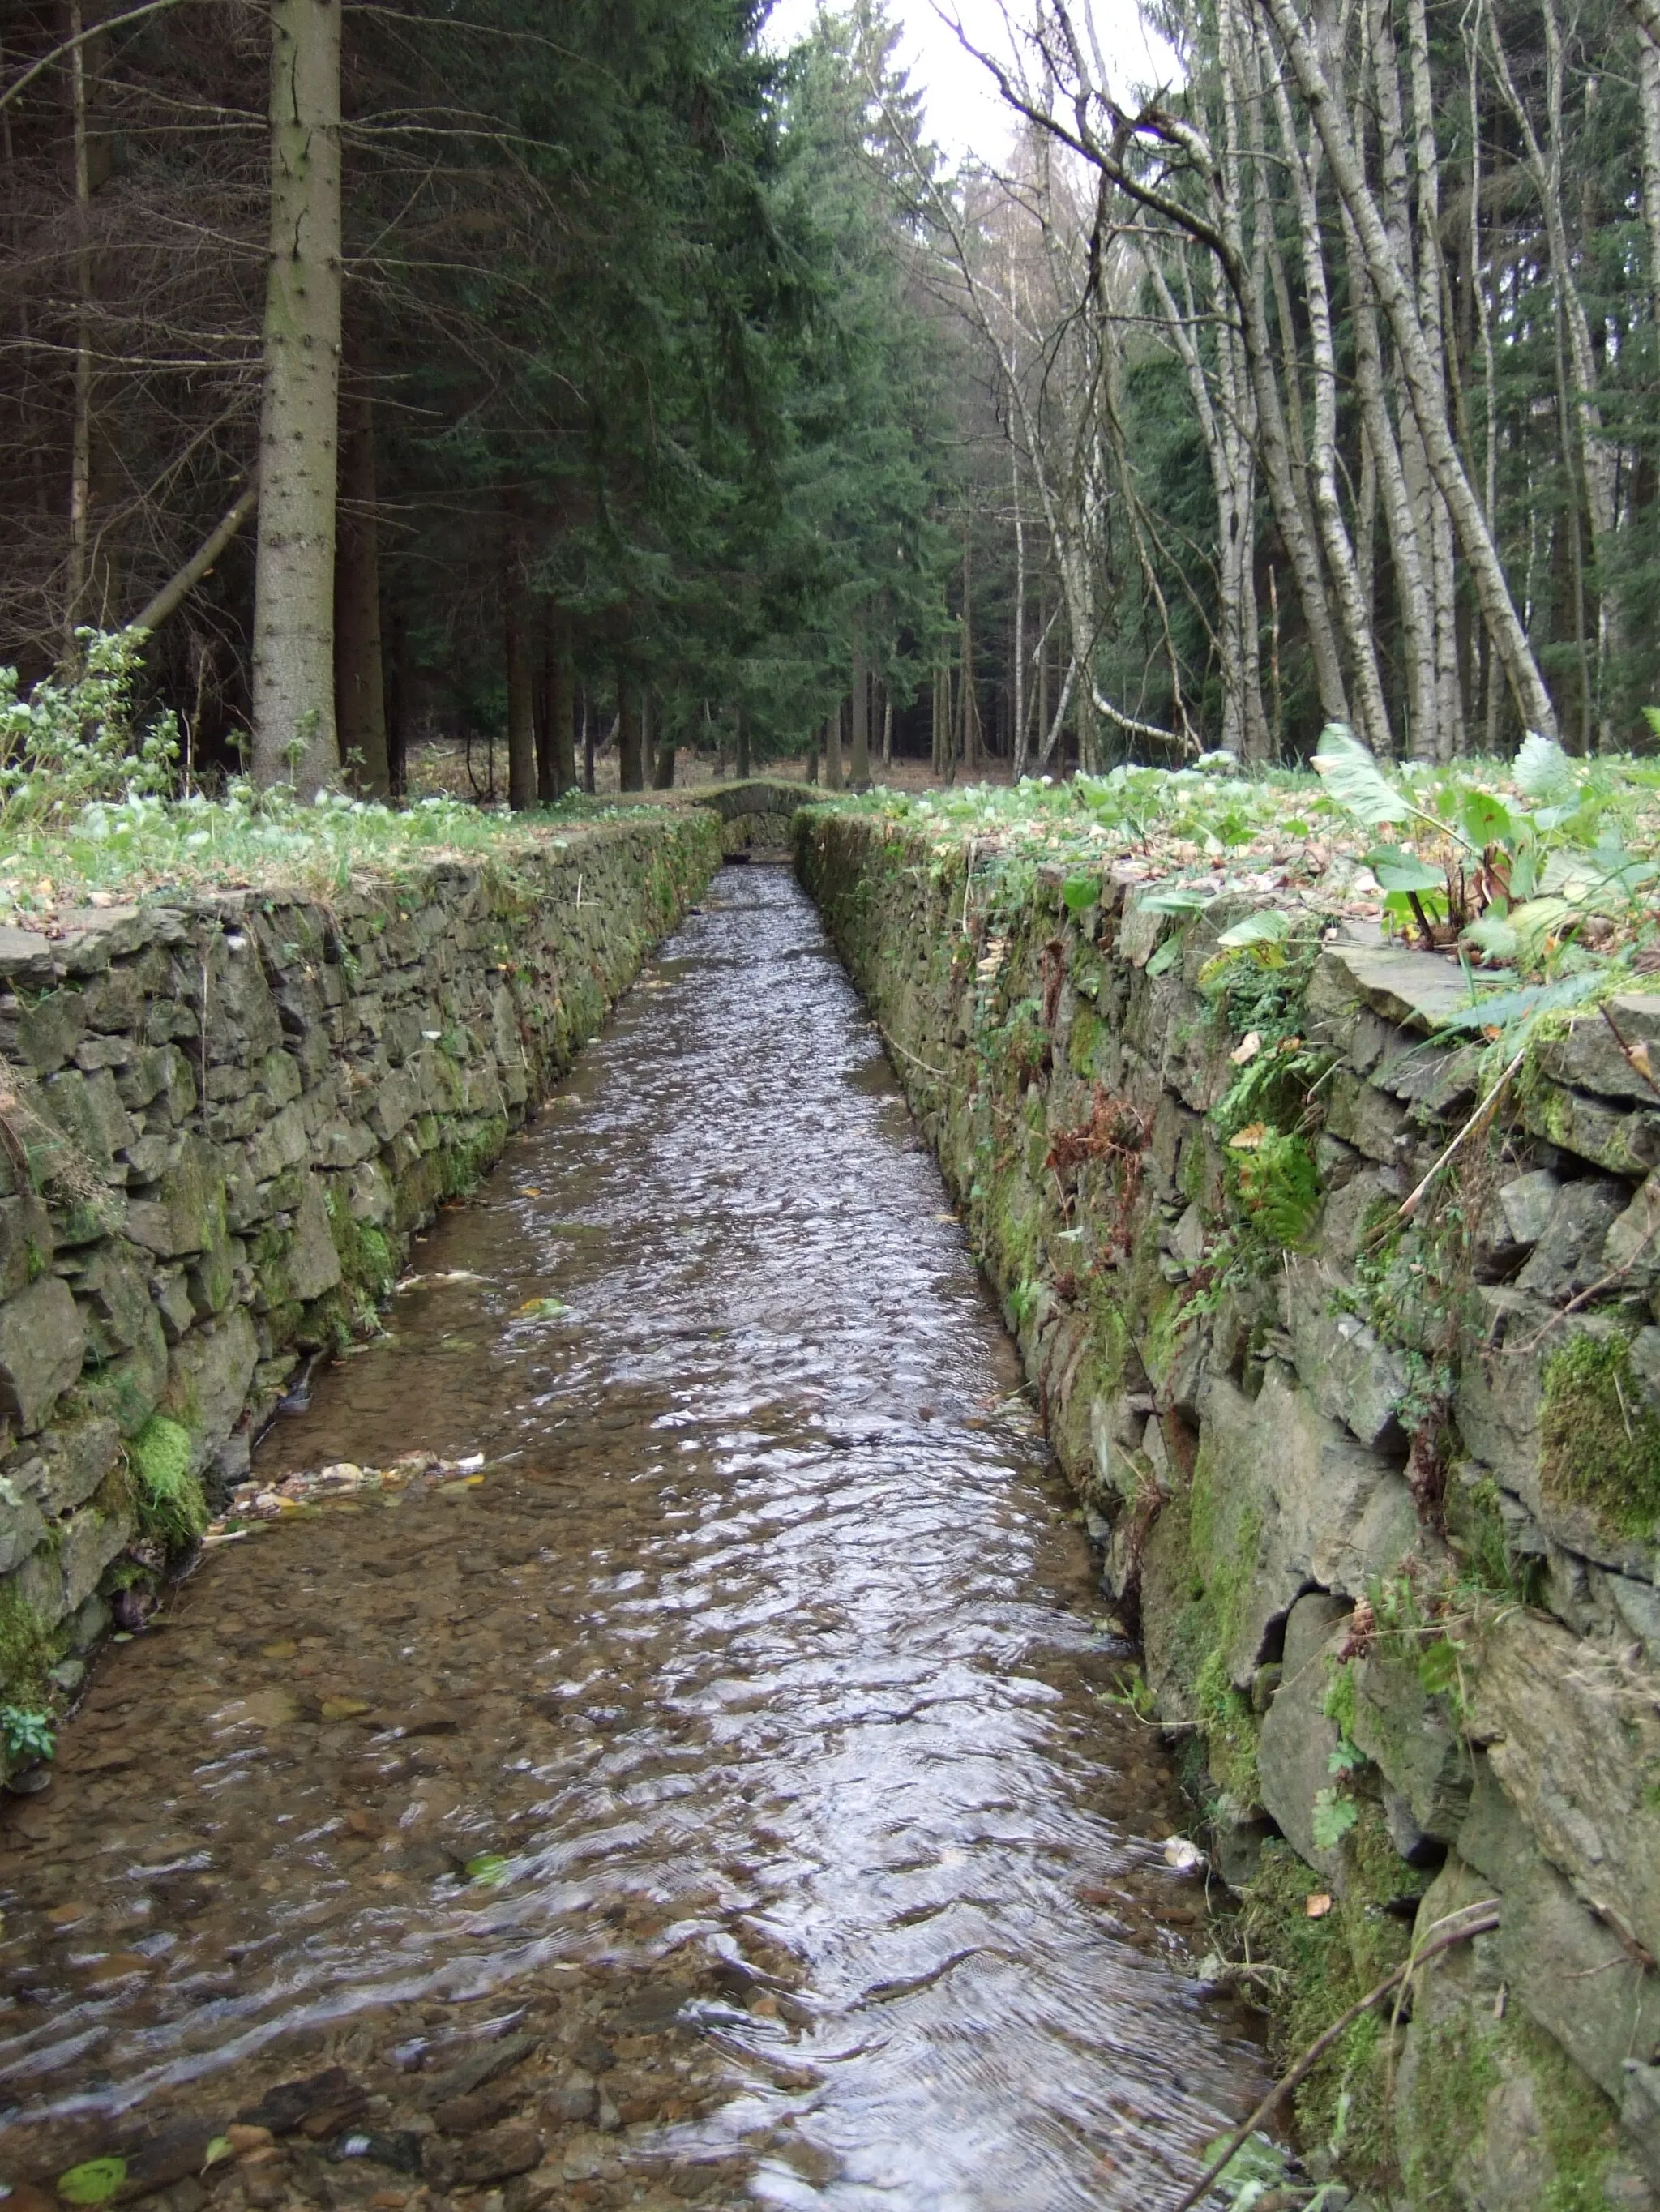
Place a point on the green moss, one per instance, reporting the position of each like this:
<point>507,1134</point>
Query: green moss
<point>28,1648</point>
<point>1599,1436</point>
<point>1456,2073</point>
<point>1087,1031</point>
<point>1338,1704</point>
<point>1322,1966</point>
<point>170,1504</point>
<point>1112,1335</point>
<point>367,1260</point>
<point>1461,2060</point>
<point>467,1159</point>
<point>1576,2121</point>
<point>1232,1733</point>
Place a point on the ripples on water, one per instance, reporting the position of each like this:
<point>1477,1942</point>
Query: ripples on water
<point>765,1642</point>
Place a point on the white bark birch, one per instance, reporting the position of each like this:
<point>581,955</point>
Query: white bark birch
<point>1426,391</point>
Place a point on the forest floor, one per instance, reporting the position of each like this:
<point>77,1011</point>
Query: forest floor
<point>449,769</point>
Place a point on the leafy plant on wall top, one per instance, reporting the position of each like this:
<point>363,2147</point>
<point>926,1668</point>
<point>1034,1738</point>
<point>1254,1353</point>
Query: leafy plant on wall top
<point>1536,891</point>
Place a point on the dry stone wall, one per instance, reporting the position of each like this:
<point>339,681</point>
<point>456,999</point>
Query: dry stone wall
<point>222,1117</point>
<point>1381,1496</point>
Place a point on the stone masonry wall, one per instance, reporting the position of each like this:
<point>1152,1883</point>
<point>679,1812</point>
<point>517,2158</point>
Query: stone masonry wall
<point>1383,1497</point>
<point>222,1115</point>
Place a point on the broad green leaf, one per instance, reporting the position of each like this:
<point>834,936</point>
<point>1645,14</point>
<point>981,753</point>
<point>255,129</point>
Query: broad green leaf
<point>1355,780</point>
<point>1396,871</point>
<point>1081,892</point>
<point>1484,820</point>
<point>1267,927</point>
<point>1544,771</point>
<point>1166,958</point>
<point>94,2183</point>
<point>489,1868</point>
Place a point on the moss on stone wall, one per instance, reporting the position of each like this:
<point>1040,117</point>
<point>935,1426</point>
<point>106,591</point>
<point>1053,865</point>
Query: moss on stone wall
<point>1599,1437</point>
<point>172,1507</point>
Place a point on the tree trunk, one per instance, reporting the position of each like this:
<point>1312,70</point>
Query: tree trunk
<point>662,778</point>
<point>833,751</point>
<point>630,755</point>
<point>359,671</point>
<point>1334,532</point>
<point>547,782</point>
<point>1237,80</point>
<point>858,762</point>
<point>1432,283</point>
<point>588,719</point>
<point>1428,399</point>
<point>521,712</point>
<point>561,704</point>
<point>1592,461</point>
<point>1648,68</point>
<point>75,592</point>
<point>745,764</point>
<point>293,731</point>
<point>398,702</point>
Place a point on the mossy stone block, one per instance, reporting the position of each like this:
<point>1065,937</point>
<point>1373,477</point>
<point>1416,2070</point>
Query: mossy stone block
<point>43,1341</point>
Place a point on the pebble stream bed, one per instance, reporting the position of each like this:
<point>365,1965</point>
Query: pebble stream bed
<point>709,1798</point>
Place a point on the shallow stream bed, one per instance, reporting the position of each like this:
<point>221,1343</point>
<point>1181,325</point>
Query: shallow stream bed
<point>711,1797</point>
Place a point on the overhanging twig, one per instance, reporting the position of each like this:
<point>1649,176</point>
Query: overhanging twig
<point>1469,1920</point>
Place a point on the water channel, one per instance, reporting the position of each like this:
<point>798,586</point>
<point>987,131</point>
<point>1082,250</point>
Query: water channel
<point>710,1798</point>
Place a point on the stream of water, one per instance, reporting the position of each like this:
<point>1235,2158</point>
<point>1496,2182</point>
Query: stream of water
<point>713,1796</point>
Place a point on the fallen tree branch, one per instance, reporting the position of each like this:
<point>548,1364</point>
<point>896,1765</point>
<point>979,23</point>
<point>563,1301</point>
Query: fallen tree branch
<point>1469,1920</point>
<point>184,581</point>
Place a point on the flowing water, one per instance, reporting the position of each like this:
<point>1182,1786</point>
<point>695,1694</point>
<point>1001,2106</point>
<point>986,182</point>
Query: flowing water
<point>715,1797</point>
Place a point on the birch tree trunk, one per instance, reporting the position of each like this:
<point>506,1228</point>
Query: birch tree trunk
<point>1238,76</point>
<point>1018,655</point>
<point>293,726</point>
<point>1334,533</point>
<point>1432,280</point>
<point>1648,67</point>
<point>1582,422</point>
<point>1426,394</point>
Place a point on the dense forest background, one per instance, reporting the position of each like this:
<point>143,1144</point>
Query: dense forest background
<point>670,393</point>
